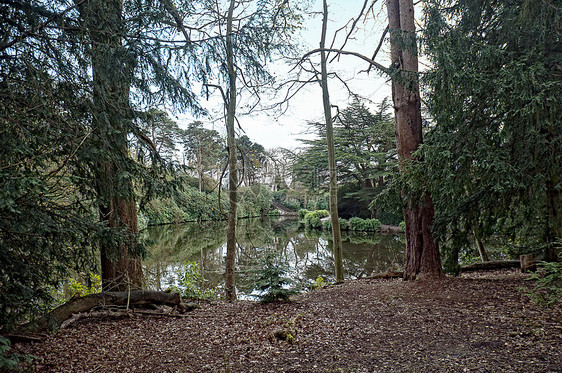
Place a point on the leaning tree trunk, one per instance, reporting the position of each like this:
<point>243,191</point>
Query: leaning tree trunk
<point>422,251</point>
<point>120,262</point>
<point>336,234</point>
<point>230,287</point>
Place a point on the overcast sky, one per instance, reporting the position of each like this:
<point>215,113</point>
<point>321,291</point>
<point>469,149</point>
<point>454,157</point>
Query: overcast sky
<point>275,130</point>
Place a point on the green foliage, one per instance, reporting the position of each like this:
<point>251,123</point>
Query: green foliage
<point>254,200</point>
<point>402,226</point>
<point>313,219</point>
<point>547,287</point>
<point>274,212</point>
<point>92,286</point>
<point>271,280</point>
<point>344,224</point>
<point>319,282</point>
<point>11,361</point>
<point>494,147</point>
<point>302,213</point>
<point>364,225</point>
<point>190,283</point>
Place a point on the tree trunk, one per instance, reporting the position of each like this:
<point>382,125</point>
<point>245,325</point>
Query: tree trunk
<point>334,217</point>
<point>120,263</point>
<point>422,251</point>
<point>480,245</point>
<point>230,288</point>
<point>554,217</point>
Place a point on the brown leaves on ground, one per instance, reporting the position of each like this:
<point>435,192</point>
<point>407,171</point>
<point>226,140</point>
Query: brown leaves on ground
<point>480,323</point>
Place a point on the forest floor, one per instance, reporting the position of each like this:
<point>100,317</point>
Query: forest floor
<point>479,322</point>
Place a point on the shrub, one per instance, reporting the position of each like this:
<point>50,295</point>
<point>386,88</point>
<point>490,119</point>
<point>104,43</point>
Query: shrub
<point>302,213</point>
<point>190,282</point>
<point>313,219</point>
<point>402,226</point>
<point>357,224</point>
<point>327,224</point>
<point>92,286</point>
<point>373,225</point>
<point>271,280</point>
<point>547,289</point>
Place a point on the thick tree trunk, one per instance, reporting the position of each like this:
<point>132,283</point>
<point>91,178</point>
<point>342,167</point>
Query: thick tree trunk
<point>334,217</point>
<point>422,252</point>
<point>230,288</point>
<point>120,263</point>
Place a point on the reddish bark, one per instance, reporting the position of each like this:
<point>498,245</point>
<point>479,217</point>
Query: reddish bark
<point>422,251</point>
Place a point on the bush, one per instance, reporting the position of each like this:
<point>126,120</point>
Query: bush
<point>402,226</point>
<point>374,225</point>
<point>364,225</point>
<point>302,213</point>
<point>547,289</point>
<point>271,280</point>
<point>327,224</point>
<point>357,224</point>
<point>313,219</point>
<point>190,283</point>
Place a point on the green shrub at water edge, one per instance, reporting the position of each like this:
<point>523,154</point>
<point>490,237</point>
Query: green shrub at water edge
<point>364,225</point>
<point>302,213</point>
<point>271,280</point>
<point>313,219</point>
<point>190,283</point>
<point>402,226</point>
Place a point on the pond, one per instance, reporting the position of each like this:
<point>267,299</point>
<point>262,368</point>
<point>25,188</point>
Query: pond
<point>307,252</point>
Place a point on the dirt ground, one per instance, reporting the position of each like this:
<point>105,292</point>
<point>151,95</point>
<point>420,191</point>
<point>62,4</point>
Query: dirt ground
<point>476,323</point>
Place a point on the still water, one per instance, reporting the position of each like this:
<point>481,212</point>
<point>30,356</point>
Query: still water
<point>308,253</point>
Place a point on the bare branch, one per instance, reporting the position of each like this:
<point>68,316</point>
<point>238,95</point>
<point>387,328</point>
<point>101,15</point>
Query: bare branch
<point>359,55</point>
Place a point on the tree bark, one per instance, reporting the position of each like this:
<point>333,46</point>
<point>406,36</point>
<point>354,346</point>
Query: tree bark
<point>230,288</point>
<point>334,217</point>
<point>422,250</point>
<point>112,73</point>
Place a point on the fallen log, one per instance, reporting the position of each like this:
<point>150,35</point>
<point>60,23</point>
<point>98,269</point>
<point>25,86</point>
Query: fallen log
<point>54,319</point>
<point>491,265</point>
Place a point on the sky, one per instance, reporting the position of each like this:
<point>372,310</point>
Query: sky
<point>274,129</point>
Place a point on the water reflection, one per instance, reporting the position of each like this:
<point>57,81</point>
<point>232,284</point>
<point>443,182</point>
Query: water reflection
<point>309,253</point>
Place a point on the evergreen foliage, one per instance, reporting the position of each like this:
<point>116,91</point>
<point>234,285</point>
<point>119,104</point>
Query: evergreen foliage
<point>271,280</point>
<point>493,154</point>
<point>365,153</point>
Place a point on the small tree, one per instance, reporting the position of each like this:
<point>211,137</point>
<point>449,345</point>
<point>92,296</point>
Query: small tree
<point>271,280</point>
